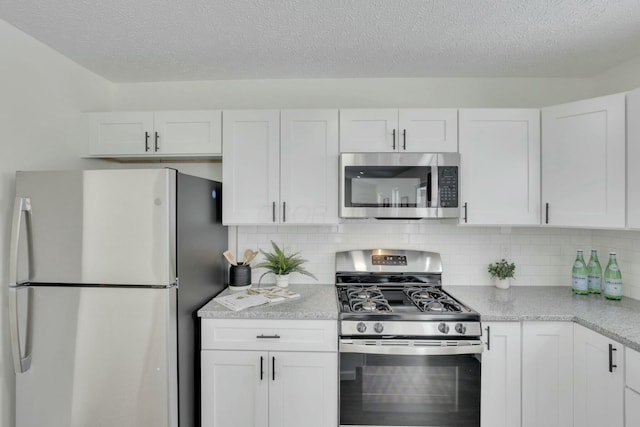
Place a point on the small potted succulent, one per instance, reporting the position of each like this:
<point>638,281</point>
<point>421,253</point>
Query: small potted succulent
<point>281,264</point>
<point>502,272</point>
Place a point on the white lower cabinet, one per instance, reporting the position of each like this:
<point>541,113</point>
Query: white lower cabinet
<point>235,389</point>
<point>598,375</point>
<point>632,388</point>
<point>500,403</point>
<point>271,381</point>
<point>547,374</point>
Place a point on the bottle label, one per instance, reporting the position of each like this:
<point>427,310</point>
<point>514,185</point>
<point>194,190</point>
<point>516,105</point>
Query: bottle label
<point>579,282</point>
<point>613,287</point>
<point>577,264</point>
<point>614,267</point>
<point>594,281</point>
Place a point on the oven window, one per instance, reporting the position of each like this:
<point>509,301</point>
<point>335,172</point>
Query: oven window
<point>383,390</point>
<point>388,186</point>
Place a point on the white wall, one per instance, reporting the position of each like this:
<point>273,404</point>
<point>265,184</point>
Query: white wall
<point>41,127</point>
<point>620,78</point>
<point>329,93</point>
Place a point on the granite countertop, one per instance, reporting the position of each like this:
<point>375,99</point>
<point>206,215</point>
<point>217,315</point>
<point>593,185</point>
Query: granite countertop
<point>618,320</point>
<point>316,302</point>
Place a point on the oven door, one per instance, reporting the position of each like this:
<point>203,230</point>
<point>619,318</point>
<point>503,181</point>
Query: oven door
<point>392,382</point>
<point>388,185</point>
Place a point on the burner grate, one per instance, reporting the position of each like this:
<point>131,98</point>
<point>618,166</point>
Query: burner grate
<point>370,299</point>
<point>431,299</point>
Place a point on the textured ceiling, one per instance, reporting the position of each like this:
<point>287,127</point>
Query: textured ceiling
<point>155,40</point>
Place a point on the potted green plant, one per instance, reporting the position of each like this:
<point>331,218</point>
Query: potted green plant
<point>281,264</point>
<point>502,272</point>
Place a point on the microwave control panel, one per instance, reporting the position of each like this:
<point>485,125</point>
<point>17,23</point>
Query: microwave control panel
<point>448,183</point>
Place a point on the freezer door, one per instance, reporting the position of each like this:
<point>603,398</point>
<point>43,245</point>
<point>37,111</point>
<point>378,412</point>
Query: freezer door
<point>100,357</point>
<point>113,227</point>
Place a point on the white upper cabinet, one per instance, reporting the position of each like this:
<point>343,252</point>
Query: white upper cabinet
<point>403,130</point>
<point>155,134</point>
<point>280,167</point>
<point>251,167</point>
<point>598,380</point>
<point>500,166</point>
<point>583,163</point>
<point>309,166</point>
<point>633,159</point>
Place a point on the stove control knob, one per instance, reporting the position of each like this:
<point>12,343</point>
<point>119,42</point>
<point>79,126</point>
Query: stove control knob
<point>460,328</point>
<point>361,327</point>
<point>444,328</point>
<point>378,327</point>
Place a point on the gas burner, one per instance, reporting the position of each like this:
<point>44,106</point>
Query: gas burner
<point>370,299</point>
<point>370,306</point>
<point>439,306</point>
<point>364,293</point>
<point>424,293</point>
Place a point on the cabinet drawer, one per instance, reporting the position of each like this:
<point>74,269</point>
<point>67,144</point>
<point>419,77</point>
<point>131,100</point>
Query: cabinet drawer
<point>259,334</point>
<point>632,377</point>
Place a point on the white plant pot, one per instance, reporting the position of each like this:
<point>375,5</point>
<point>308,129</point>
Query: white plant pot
<point>282,280</point>
<point>502,284</point>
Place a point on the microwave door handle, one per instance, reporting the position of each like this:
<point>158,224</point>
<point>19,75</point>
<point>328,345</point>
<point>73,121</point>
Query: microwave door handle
<point>435,188</point>
<point>411,350</point>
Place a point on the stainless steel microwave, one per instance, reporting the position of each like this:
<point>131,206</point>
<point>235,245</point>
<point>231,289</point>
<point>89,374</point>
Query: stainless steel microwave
<point>399,185</point>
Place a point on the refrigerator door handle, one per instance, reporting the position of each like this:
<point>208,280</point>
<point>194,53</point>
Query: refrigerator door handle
<point>21,362</point>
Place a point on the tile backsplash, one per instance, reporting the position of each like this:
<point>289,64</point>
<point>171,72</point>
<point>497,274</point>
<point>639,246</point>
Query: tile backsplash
<point>543,255</point>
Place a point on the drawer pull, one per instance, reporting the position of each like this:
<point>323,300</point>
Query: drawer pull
<point>262,336</point>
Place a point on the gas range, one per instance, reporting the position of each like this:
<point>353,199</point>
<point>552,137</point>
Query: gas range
<point>399,292</point>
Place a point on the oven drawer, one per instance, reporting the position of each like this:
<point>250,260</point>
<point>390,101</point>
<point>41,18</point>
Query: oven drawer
<point>260,334</point>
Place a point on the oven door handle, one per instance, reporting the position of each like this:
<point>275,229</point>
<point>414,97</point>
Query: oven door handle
<point>409,350</point>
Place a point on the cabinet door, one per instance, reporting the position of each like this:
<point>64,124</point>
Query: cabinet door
<point>633,159</point>
<point>500,398</point>
<point>235,387</point>
<point>632,408</point>
<point>598,385</point>
<point>251,167</point>
<point>500,166</point>
<point>547,374</point>
<point>369,130</point>
<point>583,163</point>
<point>309,166</point>
<point>428,130</point>
<point>303,389</point>
<point>188,132</point>
<point>120,133</point>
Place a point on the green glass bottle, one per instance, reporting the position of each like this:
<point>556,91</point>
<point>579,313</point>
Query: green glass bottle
<point>612,279</point>
<point>594,281</point>
<point>579,276</point>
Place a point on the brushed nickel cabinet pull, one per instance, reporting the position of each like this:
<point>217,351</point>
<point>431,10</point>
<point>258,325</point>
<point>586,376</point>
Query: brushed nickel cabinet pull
<point>273,337</point>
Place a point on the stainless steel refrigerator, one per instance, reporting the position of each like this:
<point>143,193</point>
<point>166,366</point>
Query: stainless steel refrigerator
<point>107,268</point>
